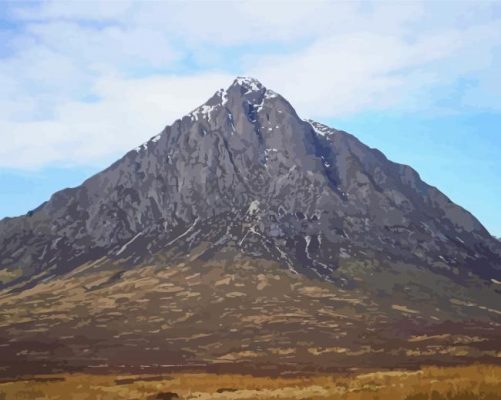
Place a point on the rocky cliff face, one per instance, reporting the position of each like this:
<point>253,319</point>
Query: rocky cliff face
<point>290,190</point>
<point>243,184</point>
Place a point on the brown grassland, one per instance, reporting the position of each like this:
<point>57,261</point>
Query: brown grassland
<point>435,383</point>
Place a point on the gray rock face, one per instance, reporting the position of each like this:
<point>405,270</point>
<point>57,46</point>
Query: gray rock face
<point>243,170</point>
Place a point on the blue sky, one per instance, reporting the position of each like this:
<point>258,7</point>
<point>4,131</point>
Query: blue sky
<point>83,82</point>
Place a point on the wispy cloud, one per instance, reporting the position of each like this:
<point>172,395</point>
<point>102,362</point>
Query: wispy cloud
<point>84,81</point>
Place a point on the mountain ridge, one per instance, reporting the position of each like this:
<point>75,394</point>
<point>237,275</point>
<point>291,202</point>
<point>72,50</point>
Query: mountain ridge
<point>254,94</point>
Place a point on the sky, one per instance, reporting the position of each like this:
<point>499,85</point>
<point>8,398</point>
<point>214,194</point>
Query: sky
<point>81,83</point>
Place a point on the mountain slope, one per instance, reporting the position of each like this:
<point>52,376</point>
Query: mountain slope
<point>243,181</point>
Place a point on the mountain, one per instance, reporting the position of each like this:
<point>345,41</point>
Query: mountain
<point>243,234</point>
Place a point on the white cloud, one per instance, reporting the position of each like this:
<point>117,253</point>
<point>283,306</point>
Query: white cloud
<point>81,82</point>
<point>113,46</point>
<point>349,73</point>
<point>78,9</point>
<point>128,113</point>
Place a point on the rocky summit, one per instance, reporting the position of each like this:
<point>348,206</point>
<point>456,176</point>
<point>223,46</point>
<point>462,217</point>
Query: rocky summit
<point>243,236</point>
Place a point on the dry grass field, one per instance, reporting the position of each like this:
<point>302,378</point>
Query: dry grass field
<point>481,382</point>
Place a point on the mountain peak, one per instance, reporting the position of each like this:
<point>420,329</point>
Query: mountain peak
<point>246,144</point>
<point>249,83</point>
